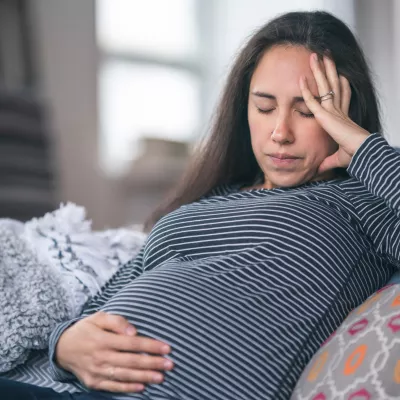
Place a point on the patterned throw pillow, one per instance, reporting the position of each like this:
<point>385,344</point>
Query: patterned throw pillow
<point>361,360</point>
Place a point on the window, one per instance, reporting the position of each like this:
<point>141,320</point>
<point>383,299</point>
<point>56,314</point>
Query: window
<point>149,76</point>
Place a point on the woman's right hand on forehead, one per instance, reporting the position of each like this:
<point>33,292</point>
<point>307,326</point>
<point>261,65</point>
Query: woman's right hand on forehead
<point>102,351</point>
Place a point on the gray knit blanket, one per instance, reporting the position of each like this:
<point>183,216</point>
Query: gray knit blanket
<point>49,268</point>
<point>32,300</point>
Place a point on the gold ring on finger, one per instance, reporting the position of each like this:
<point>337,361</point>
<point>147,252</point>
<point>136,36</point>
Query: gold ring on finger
<point>327,96</point>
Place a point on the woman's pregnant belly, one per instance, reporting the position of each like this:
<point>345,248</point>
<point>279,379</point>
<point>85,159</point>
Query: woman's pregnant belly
<point>230,333</point>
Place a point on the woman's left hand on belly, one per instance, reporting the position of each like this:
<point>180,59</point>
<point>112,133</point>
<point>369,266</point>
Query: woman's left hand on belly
<point>332,112</point>
<point>104,355</point>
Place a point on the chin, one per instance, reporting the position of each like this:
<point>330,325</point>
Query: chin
<point>290,180</point>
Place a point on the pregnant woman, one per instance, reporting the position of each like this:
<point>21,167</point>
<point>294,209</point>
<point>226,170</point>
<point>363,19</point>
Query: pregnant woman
<point>288,220</point>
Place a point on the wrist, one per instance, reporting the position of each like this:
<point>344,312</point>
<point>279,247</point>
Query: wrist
<point>58,358</point>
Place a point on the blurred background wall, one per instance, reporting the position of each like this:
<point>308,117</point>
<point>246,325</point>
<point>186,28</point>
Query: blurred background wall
<point>120,89</point>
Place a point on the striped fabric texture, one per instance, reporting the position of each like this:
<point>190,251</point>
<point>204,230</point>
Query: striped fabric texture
<point>246,285</point>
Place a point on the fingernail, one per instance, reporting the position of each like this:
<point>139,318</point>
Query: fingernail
<point>139,387</point>
<point>165,349</point>
<point>315,57</point>
<point>130,331</point>
<point>157,378</point>
<point>167,364</point>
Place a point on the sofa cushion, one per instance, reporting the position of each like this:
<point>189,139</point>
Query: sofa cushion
<point>361,360</point>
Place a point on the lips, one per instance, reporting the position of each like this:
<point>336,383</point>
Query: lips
<point>283,156</point>
<point>283,161</point>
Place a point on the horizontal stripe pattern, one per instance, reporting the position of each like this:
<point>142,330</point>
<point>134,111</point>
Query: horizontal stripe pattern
<point>246,285</point>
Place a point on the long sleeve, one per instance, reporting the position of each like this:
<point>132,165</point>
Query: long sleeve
<point>123,276</point>
<point>376,167</point>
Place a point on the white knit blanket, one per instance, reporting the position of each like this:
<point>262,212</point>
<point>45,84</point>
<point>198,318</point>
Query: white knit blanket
<point>49,268</point>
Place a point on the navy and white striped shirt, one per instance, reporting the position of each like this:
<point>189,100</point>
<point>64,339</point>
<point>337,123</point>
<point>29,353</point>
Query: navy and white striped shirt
<point>246,285</point>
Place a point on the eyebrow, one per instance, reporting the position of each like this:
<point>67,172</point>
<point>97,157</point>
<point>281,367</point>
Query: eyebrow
<point>296,99</point>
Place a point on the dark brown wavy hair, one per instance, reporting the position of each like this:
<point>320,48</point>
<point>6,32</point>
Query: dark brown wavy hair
<point>225,156</point>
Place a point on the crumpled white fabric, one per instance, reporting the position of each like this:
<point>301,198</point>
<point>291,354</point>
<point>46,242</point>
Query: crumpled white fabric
<point>86,259</point>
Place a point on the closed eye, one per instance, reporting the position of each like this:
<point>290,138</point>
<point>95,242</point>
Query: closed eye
<point>262,111</point>
<point>304,115</point>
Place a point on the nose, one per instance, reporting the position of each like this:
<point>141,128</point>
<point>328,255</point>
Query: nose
<point>282,133</point>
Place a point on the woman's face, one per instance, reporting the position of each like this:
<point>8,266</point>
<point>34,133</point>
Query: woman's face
<point>280,122</point>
